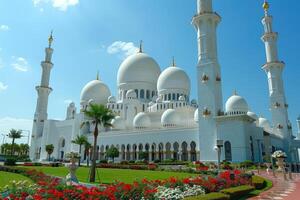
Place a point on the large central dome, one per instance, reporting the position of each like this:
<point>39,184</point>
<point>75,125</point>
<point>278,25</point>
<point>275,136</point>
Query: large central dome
<point>138,68</point>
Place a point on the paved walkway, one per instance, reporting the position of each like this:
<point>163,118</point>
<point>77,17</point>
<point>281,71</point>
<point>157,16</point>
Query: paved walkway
<point>282,189</point>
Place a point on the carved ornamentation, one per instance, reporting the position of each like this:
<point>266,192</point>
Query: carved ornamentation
<point>206,112</point>
<point>205,78</point>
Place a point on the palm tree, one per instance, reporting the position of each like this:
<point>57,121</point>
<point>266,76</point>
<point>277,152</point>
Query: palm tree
<point>14,134</point>
<point>87,147</point>
<point>49,148</point>
<point>99,115</point>
<point>80,140</point>
<point>24,149</point>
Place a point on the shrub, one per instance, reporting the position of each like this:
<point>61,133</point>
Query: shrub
<point>156,161</point>
<point>210,196</point>
<point>247,163</point>
<point>131,161</point>
<point>237,192</point>
<point>103,161</point>
<point>10,161</point>
<point>124,162</point>
<point>258,182</point>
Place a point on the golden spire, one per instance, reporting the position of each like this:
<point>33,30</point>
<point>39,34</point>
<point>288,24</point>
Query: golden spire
<point>50,39</point>
<point>235,93</point>
<point>97,77</point>
<point>266,6</point>
<point>173,62</point>
<point>141,46</point>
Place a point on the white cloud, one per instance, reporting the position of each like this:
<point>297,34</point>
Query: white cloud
<point>59,4</point>
<point>20,64</point>
<point>8,123</point>
<point>125,48</point>
<point>3,87</point>
<point>4,27</point>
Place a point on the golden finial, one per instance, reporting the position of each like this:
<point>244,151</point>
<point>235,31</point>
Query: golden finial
<point>173,62</point>
<point>235,93</point>
<point>141,47</point>
<point>50,39</point>
<point>266,6</point>
<point>97,77</point>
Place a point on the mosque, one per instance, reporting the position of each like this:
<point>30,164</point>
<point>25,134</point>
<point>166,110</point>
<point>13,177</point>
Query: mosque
<point>155,115</point>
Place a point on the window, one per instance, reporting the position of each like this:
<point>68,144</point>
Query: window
<point>174,97</point>
<point>169,97</point>
<point>142,94</point>
<point>153,93</point>
<point>148,94</point>
<point>228,155</point>
<point>137,92</point>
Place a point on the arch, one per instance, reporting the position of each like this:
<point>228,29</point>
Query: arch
<point>123,153</point>
<point>252,148</point>
<point>184,153</point>
<point>147,149</point>
<point>141,147</point>
<point>176,151</point>
<point>153,94</point>
<point>134,152</point>
<point>169,96</point>
<point>228,154</point>
<point>142,94</point>
<point>168,151</point>
<point>137,92</point>
<point>153,151</point>
<point>193,151</point>
<point>128,148</point>
<point>173,96</point>
<point>161,151</point>
<point>148,94</point>
<point>61,148</point>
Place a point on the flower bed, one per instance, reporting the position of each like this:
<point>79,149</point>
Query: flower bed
<point>48,187</point>
<point>151,166</point>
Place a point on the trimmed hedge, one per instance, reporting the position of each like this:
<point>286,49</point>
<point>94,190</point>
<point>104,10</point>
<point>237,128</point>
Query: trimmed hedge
<point>237,192</point>
<point>258,182</point>
<point>210,196</point>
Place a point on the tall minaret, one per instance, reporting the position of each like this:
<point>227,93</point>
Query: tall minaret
<point>274,69</point>
<point>43,91</point>
<point>209,78</point>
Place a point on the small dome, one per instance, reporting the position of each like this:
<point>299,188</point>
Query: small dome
<point>253,115</point>
<point>141,120</point>
<point>173,78</point>
<point>181,98</point>
<point>72,104</point>
<point>170,118</point>
<point>131,94</point>
<point>118,123</point>
<point>95,90</point>
<point>138,68</point>
<point>196,115</point>
<point>236,104</point>
<point>111,99</point>
<point>263,123</point>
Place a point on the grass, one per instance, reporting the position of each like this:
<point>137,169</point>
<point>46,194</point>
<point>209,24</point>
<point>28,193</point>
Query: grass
<point>111,175</point>
<point>7,177</point>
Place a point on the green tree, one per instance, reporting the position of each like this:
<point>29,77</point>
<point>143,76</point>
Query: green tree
<point>14,134</point>
<point>100,116</point>
<point>80,140</point>
<point>49,148</point>
<point>112,152</point>
<point>24,149</point>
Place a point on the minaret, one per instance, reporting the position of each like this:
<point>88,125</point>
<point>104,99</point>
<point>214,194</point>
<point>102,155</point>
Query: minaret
<point>274,69</point>
<point>209,78</point>
<point>43,91</point>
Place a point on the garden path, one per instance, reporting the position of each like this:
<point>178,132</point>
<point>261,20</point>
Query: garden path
<point>282,189</point>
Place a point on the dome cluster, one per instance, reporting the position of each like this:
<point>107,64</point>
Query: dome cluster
<point>236,105</point>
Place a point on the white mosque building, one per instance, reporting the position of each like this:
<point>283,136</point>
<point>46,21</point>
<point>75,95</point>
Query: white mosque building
<point>154,113</point>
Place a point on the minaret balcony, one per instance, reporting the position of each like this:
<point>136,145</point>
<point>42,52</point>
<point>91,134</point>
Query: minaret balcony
<point>270,65</point>
<point>204,16</point>
<point>269,36</point>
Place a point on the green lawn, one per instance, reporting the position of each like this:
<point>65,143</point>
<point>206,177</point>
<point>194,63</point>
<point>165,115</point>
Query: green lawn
<point>110,175</point>
<point>7,177</point>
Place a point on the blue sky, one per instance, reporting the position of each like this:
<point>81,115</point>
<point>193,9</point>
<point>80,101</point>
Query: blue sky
<point>85,29</point>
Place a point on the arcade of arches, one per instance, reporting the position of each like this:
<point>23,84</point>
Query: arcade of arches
<point>162,151</point>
